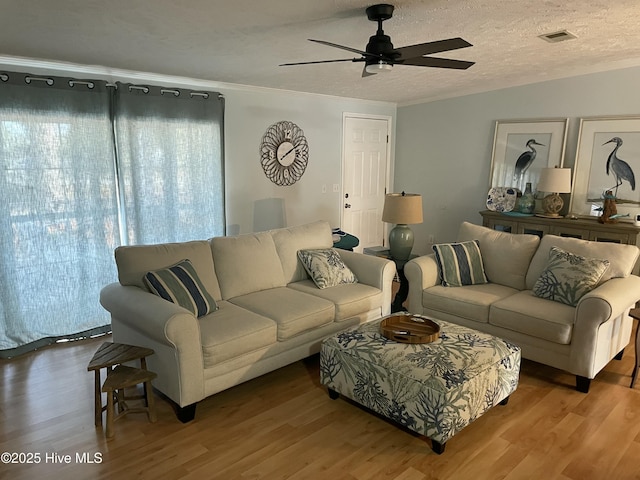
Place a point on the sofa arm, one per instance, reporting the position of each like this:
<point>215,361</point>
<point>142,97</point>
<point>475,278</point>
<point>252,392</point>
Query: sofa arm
<point>599,311</point>
<point>141,318</point>
<point>374,271</point>
<point>421,273</point>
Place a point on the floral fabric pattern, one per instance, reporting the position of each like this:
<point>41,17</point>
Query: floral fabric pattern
<point>326,268</point>
<point>568,277</point>
<point>434,389</point>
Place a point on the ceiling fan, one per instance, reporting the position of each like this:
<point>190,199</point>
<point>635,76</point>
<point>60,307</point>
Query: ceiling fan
<point>380,56</point>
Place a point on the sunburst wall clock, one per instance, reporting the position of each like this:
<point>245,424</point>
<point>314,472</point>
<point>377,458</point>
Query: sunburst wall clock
<point>284,153</point>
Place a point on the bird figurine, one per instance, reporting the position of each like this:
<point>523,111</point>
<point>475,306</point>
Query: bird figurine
<point>621,169</point>
<point>525,159</point>
<point>609,213</point>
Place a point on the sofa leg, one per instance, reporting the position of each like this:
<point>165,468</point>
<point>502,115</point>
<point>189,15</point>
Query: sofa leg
<point>619,355</point>
<point>186,414</point>
<point>582,384</point>
<point>437,447</point>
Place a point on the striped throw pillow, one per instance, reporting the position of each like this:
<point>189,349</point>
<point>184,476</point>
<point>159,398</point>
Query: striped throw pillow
<point>181,285</point>
<point>460,263</point>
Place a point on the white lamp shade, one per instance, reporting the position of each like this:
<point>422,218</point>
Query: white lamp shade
<point>555,180</point>
<point>402,208</point>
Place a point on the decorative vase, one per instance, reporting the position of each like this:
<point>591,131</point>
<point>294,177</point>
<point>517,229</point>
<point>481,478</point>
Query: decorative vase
<point>528,201</point>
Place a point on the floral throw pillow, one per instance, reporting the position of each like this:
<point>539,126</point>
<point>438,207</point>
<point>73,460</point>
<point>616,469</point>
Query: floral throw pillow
<point>326,268</point>
<point>568,277</point>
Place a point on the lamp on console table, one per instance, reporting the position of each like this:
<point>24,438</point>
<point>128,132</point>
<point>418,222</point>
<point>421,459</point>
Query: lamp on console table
<point>554,180</point>
<point>402,209</point>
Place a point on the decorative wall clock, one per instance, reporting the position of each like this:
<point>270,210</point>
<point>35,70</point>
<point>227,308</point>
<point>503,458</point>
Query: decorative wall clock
<point>284,153</point>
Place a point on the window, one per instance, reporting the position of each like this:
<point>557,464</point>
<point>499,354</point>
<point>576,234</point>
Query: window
<point>67,200</point>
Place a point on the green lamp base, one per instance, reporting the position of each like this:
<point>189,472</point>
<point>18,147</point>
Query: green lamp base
<point>400,242</point>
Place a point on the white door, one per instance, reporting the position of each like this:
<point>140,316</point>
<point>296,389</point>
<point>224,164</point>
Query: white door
<point>365,177</point>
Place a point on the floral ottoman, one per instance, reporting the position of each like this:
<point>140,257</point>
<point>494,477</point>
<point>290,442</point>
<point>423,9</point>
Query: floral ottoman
<point>435,389</point>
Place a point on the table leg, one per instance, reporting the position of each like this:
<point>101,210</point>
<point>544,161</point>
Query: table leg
<point>98,400</point>
<point>634,375</point>
<point>402,294</point>
<point>143,366</point>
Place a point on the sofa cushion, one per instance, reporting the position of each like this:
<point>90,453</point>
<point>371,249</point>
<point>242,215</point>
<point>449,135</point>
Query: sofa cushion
<point>506,256</point>
<point>181,285</point>
<point>622,258</point>
<point>567,277</point>
<point>460,264</point>
<point>290,240</point>
<point>246,263</point>
<point>326,268</point>
<point>537,317</point>
<point>233,331</point>
<point>294,312</point>
<point>350,300</point>
<point>135,261</point>
<point>471,302</point>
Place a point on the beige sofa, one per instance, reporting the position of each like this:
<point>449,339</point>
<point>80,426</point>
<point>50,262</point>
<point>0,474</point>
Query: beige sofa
<point>580,340</point>
<point>269,312</point>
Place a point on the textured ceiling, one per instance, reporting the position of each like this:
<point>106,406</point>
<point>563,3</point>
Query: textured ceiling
<point>243,41</point>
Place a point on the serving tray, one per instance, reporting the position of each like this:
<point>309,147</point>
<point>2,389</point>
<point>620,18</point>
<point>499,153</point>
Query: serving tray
<point>409,329</point>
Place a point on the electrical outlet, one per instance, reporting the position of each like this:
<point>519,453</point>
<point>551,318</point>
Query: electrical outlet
<point>336,188</point>
<point>432,239</point>
<point>324,188</point>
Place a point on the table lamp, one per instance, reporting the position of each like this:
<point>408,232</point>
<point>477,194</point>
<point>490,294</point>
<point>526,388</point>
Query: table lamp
<point>553,180</point>
<point>402,209</point>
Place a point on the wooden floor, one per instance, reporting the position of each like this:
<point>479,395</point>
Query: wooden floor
<point>283,425</point>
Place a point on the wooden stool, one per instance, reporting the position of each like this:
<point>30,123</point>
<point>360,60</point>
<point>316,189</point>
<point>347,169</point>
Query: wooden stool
<point>107,356</point>
<point>120,378</point>
<point>635,313</point>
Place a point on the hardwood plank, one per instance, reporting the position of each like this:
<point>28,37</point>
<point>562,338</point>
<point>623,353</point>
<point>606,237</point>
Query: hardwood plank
<point>284,425</point>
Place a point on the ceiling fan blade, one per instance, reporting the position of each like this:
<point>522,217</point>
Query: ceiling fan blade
<point>421,49</point>
<point>323,61</point>
<point>342,47</point>
<point>365,73</point>
<point>436,62</point>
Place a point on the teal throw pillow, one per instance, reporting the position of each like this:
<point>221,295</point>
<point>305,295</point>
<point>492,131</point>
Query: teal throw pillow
<point>326,268</point>
<point>568,277</point>
<point>181,285</point>
<point>460,263</point>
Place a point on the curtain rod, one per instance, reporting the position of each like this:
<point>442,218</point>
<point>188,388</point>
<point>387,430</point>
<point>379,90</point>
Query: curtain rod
<point>4,77</point>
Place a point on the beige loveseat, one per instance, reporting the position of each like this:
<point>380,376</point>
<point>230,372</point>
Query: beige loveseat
<point>580,340</point>
<point>269,312</point>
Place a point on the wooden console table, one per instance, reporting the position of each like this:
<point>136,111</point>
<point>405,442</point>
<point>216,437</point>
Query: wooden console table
<point>584,228</point>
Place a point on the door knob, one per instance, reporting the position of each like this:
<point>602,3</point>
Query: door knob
<point>347,205</point>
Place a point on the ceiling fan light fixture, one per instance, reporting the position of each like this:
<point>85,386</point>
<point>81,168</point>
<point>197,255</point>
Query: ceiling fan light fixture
<point>378,67</point>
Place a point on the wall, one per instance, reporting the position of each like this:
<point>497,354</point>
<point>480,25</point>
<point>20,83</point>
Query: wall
<point>443,148</point>
<point>253,202</point>
<point>249,191</point>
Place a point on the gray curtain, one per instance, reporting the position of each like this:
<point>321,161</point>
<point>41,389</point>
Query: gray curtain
<point>67,200</point>
<point>169,145</point>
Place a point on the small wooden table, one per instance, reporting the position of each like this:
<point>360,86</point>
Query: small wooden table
<point>107,356</point>
<point>635,313</point>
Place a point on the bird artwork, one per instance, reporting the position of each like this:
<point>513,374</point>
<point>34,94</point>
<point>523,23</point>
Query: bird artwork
<point>525,160</point>
<point>621,169</point>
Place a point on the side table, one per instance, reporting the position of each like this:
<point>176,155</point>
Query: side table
<point>635,313</point>
<point>107,356</point>
<point>403,291</point>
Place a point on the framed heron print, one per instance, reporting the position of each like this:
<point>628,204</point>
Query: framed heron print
<point>607,160</point>
<point>522,148</point>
